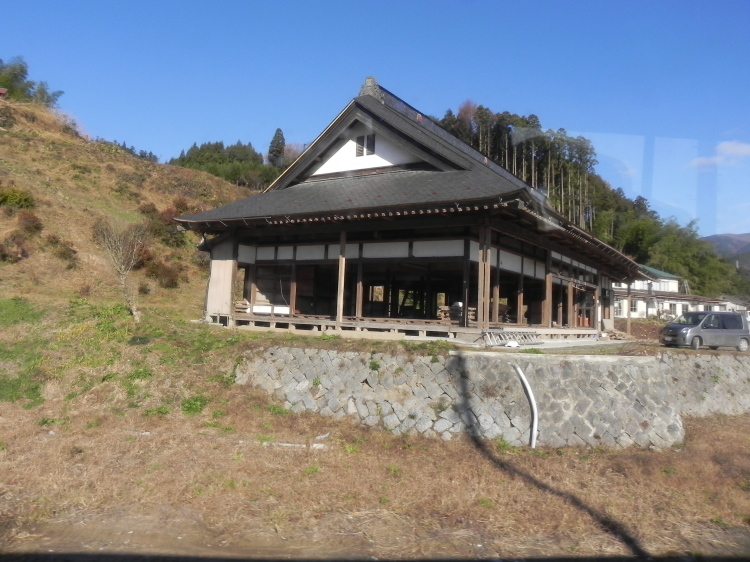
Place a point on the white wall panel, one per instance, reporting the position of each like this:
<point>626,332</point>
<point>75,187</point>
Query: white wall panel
<point>266,253</point>
<point>540,272</point>
<point>285,253</point>
<point>351,252</point>
<point>438,248</point>
<point>385,250</point>
<point>510,262</point>
<point>311,252</point>
<point>345,158</point>
<point>246,254</point>
<point>473,251</point>
<point>528,267</point>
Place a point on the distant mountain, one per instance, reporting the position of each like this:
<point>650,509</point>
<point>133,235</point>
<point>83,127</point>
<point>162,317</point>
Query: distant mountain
<point>730,245</point>
<point>734,247</point>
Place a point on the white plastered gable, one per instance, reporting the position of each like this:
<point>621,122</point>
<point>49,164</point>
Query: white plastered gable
<point>345,159</point>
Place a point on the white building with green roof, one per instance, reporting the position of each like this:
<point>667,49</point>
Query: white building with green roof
<point>664,295</point>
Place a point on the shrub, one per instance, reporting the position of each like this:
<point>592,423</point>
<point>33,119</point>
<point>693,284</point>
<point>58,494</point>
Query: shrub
<point>13,248</point>
<point>202,259</point>
<point>64,250</point>
<point>181,205</point>
<point>160,224</point>
<point>194,405</point>
<point>148,210</point>
<point>144,257</point>
<point>17,198</point>
<point>166,275</point>
<point>29,223</point>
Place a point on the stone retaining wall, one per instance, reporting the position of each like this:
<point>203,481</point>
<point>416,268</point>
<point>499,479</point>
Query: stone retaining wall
<point>581,400</point>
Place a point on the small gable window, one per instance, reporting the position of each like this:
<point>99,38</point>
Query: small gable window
<point>365,145</point>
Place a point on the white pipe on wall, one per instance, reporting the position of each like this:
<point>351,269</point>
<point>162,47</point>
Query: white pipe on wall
<point>532,401</point>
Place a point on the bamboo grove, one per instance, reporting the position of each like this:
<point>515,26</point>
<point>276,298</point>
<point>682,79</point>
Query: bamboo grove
<point>563,167</point>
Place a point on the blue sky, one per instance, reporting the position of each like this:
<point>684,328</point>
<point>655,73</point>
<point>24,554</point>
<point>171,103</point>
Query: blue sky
<point>660,87</point>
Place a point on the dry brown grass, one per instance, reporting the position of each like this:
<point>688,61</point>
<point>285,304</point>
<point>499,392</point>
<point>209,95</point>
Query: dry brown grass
<point>383,495</point>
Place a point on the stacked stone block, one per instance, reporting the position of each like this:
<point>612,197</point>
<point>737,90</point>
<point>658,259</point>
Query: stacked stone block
<point>581,400</point>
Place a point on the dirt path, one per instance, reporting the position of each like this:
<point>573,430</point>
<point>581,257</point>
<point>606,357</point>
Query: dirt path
<point>170,532</point>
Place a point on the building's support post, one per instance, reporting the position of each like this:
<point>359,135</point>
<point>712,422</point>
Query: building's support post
<point>483,279</point>
<point>520,316</point>
<point>547,305</point>
<point>430,304</point>
<point>572,318</point>
<point>394,299</point>
<point>248,291</point>
<point>560,306</point>
<point>487,276</point>
<point>629,298</point>
<point>220,292</point>
<point>360,294</point>
<point>342,279</point>
<point>496,295</point>
<point>293,291</point>
<point>596,320</point>
<point>387,294</point>
<point>465,285</point>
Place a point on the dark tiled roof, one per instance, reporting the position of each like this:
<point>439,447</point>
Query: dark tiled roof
<point>466,175</point>
<point>388,190</point>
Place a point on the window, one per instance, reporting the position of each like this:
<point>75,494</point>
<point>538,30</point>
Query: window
<point>365,145</point>
<point>633,305</point>
<point>618,307</point>
<point>673,308</point>
<point>733,322</point>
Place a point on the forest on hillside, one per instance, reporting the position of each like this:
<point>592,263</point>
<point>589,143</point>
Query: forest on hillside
<point>561,165</point>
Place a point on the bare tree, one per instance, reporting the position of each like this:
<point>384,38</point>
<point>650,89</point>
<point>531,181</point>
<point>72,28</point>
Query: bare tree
<point>123,244</point>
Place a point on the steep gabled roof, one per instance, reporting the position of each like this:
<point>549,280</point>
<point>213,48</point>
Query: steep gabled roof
<point>448,171</point>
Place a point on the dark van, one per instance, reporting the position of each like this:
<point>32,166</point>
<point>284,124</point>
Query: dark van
<point>714,329</point>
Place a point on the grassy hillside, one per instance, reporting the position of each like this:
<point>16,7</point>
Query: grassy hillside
<point>74,182</point>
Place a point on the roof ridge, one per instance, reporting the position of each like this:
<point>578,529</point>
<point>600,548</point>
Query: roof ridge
<point>374,90</point>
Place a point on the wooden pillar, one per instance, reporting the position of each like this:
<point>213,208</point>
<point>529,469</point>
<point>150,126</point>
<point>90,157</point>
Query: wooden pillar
<point>394,299</point>
<point>496,295</point>
<point>572,318</point>
<point>358,306</point>
<point>342,279</point>
<point>387,294</point>
<point>483,279</point>
<point>547,305</point>
<point>627,328</point>
<point>293,291</point>
<point>487,276</point>
<point>520,317</point>
<point>595,316</point>
<point>465,285</point>
<point>560,306</point>
<point>431,305</point>
<point>249,288</point>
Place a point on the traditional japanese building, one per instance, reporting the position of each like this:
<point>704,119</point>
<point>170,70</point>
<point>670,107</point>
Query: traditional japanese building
<point>389,223</point>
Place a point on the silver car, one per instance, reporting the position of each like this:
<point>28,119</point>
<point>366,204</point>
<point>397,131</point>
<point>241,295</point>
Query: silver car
<point>714,329</point>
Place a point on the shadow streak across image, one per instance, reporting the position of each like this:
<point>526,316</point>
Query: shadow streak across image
<point>471,420</point>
